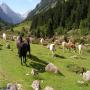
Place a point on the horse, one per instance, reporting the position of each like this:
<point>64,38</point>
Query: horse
<point>28,45</point>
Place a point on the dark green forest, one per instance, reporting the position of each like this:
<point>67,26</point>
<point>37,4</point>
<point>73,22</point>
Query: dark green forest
<point>65,16</point>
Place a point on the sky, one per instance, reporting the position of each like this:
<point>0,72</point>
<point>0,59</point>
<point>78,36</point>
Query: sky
<point>21,6</point>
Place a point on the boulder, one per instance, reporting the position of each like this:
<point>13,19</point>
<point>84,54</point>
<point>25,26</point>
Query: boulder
<point>14,86</point>
<point>48,88</point>
<point>36,85</point>
<point>86,76</point>
<point>8,45</point>
<point>51,68</point>
<point>34,72</point>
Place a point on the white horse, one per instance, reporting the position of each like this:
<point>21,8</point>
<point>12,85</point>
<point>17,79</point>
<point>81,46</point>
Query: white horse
<point>41,40</point>
<point>51,47</point>
<point>4,36</point>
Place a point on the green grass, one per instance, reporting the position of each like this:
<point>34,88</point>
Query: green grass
<point>12,71</point>
<point>25,24</point>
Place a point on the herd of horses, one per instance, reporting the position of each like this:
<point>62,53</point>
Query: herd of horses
<point>23,47</point>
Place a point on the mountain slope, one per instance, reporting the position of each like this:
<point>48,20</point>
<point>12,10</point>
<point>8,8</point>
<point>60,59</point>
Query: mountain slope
<point>4,17</point>
<point>44,5</point>
<point>65,16</point>
<point>9,15</point>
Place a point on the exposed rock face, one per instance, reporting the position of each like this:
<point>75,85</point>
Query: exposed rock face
<point>52,68</point>
<point>86,76</point>
<point>36,85</point>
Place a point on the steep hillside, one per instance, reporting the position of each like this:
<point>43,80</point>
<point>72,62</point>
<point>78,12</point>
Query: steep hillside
<point>4,17</point>
<point>44,5</point>
<point>66,15</point>
<point>19,27</point>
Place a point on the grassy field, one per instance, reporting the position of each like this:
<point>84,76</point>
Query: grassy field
<point>26,24</point>
<point>12,71</point>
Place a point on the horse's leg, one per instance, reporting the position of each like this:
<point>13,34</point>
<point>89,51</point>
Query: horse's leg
<point>29,51</point>
<point>24,57</point>
<point>53,54</point>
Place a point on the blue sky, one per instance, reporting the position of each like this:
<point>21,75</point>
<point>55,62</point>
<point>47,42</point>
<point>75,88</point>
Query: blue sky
<point>21,6</point>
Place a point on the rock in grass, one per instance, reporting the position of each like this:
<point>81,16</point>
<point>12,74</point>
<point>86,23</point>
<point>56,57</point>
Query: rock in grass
<point>14,86</point>
<point>82,83</point>
<point>34,72</point>
<point>48,88</point>
<point>74,57</point>
<point>8,46</point>
<point>86,76</point>
<point>36,85</point>
<point>52,68</point>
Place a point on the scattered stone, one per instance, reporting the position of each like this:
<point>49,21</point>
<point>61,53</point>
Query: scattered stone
<point>34,72</point>
<point>27,74</point>
<point>82,83</point>
<point>19,86</point>
<point>86,76</point>
<point>36,85</point>
<point>52,68</point>
<point>14,86</point>
<point>48,88</point>
<point>74,57</point>
<point>8,45</point>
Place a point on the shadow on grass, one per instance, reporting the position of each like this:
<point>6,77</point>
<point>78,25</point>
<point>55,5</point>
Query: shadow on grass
<point>58,56</point>
<point>82,58</point>
<point>38,64</point>
<point>88,50</point>
<point>61,74</point>
<point>1,45</point>
<point>0,48</point>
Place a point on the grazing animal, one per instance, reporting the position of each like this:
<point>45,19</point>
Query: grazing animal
<point>70,45</point>
<point>51,47</point>
<point>41,40</point>
<point>28,45</point>
<point>63,45</point>
<point>4,36</point>
<point>23,52</point>
<point>22,49</point>
<point>80,48</point>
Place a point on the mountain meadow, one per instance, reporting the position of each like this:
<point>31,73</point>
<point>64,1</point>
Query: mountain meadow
<point>59,34</point>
